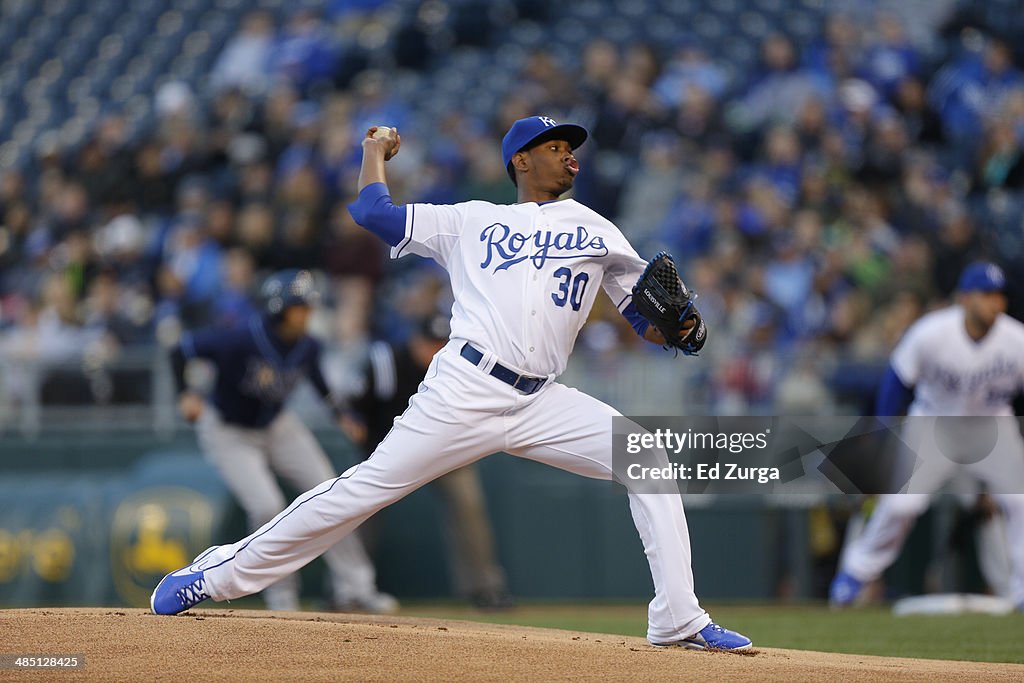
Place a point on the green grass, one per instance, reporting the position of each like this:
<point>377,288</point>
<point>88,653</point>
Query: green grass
<point>872,631</point>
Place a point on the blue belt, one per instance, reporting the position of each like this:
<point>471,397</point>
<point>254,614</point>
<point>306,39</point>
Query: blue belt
<point>524,383</point>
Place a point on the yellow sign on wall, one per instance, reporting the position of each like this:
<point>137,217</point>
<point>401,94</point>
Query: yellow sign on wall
<point>155,531</point>
<point>48,553</point>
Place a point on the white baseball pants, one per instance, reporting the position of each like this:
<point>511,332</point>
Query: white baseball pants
<point>878,546</point>
<point>460,415</point>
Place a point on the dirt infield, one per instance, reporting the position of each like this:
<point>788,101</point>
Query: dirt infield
<point>244,645</point>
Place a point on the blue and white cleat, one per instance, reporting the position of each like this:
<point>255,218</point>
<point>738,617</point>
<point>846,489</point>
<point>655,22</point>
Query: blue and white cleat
<point>178,591</point>
<point>712,637</point>
<point>844,590</point>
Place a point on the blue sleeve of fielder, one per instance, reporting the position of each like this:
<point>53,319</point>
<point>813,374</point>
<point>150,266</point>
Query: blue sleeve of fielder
<point>639,323</point>
<point>375,211</point>
<point>894,396</point>
<point>202,344</point>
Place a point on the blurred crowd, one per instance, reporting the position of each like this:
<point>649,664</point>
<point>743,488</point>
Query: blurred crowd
<point>818,203</point>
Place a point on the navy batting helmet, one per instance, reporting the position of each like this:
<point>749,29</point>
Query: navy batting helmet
<point>288,288</point>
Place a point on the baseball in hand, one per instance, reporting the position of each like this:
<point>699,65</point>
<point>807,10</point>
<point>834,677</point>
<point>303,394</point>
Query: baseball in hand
<point>386,135</point>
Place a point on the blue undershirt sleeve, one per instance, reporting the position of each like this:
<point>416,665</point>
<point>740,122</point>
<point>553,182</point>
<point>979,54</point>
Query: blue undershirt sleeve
<point>894,396</point>
<point>638,322</point>
<point>375,211</point>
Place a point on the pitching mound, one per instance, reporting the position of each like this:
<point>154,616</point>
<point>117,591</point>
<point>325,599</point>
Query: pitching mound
<point>243,645</point>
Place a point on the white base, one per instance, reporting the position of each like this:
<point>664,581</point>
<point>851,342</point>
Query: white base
<point>952,603</point>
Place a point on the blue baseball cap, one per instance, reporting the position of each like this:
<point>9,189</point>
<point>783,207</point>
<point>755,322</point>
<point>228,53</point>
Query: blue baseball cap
<point>982,276</point>
<point>525,131</point>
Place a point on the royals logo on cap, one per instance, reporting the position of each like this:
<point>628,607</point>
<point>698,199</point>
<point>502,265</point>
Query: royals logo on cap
<point>525,132</point>
<point>982,276</point>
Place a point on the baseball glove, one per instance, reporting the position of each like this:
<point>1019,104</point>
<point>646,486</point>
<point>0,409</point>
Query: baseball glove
<point>662,298</point>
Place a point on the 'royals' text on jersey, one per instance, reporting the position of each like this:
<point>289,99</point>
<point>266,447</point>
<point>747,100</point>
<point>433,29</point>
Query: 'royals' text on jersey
<point>954,375</point>
<point>524,276</point>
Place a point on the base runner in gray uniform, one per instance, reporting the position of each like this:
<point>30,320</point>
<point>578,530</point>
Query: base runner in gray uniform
<point>246,434</point>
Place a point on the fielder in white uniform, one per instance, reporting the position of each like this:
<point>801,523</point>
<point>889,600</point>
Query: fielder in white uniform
<point>965,360</point>
<point>524,278</point>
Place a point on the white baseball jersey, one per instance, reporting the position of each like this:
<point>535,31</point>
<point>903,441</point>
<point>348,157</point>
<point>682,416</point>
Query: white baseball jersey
<point>524,276</point>
<point>953,374</point>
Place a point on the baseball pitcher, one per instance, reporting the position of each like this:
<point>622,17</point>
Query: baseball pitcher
<point>524,278</point>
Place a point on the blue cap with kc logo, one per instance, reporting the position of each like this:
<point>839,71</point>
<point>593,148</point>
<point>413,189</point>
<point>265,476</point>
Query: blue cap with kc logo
<point>525,131</point>
<point>982,276</point>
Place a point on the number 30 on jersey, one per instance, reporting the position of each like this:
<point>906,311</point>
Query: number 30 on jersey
<point>570,289</point>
